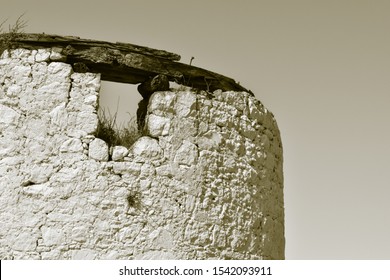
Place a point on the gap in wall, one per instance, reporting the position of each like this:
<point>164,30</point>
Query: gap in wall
<point>120,99</point>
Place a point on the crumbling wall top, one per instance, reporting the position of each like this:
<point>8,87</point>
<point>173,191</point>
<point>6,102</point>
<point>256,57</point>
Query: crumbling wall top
<point>122,62</point>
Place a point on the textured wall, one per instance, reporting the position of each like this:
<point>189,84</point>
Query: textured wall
<point>206,183</point>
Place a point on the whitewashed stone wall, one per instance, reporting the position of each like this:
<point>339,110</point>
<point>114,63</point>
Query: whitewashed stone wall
<point>207,182</point>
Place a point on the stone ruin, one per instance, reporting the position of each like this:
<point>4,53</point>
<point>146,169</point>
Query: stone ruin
<point>204,182</point>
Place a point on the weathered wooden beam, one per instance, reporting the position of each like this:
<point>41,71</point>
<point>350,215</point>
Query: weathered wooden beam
<point>46,40</point>
<point>125,63</point>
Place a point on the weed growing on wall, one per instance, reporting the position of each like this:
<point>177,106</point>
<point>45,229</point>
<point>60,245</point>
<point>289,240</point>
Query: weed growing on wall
<point>115,135</point>
<point>134,199</point>
<point>14,31</point>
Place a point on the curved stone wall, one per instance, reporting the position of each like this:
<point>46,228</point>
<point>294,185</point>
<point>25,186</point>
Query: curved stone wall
<point>205,183</point>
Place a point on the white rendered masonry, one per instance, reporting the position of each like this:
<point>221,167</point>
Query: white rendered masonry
<point>206,183</point>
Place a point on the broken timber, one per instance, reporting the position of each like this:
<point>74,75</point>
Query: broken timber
<point>124,63</point>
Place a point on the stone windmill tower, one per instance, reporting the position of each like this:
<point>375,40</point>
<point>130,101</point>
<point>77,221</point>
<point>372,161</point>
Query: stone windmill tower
<point>205,180</point>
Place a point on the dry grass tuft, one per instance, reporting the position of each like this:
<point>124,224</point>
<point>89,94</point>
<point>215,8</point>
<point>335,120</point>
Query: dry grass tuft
<point>115,135</point>
<point>14,31</point>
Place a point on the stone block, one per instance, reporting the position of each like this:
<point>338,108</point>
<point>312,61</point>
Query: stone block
<point>185,104</point>
<point>59,70</point>
<point>42,55</point>
<point>161,103</point>
<point>119,152</point>
<point>211,140</point>
<point>56,55</point>
<point>59,117</point>
<point>72,145</point>
<point>127,167</point>
<point>147,148</point>
<point>98,150</point>
<point>91,100</point>
<point>25,241</point>
<point>8,116</point>
<point>52,236</point>
<point>187,154</point>
<point>157,126</point>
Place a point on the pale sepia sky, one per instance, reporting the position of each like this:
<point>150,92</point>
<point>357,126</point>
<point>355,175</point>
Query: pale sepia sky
<point>322,67</point>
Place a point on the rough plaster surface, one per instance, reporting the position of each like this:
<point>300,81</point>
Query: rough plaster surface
<point>207,182</point>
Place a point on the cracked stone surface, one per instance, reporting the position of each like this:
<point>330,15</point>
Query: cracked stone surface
<point>205,183</point>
